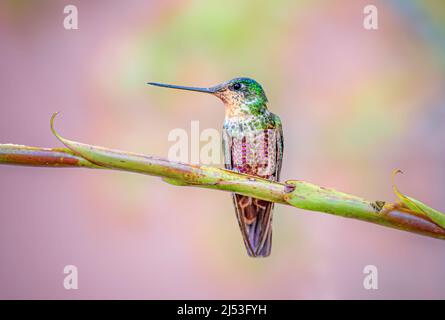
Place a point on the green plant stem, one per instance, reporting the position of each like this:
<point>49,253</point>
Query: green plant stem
<point>295,193</point>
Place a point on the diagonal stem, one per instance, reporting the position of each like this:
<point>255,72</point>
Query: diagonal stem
<point>295,193</point>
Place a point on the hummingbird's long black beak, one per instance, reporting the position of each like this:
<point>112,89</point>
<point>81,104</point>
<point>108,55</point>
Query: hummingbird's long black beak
<point>171,86</point>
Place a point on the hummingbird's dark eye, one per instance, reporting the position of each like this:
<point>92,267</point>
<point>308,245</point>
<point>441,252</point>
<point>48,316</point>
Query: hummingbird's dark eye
<point>236,86</point>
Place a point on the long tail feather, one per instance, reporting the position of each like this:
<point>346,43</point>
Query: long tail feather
<point>255,220</point>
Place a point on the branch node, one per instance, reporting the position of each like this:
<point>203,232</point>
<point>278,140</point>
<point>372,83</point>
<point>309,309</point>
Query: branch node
<point>378,205</point>
<point>289,187</point>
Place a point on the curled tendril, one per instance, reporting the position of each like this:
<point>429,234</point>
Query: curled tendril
<point>405,200</point>
<point>53,130</point>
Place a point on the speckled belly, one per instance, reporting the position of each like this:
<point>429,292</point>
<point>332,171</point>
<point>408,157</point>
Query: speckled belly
<point>255,152</point>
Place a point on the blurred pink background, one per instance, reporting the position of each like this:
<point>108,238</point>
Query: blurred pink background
<point>355,105</point>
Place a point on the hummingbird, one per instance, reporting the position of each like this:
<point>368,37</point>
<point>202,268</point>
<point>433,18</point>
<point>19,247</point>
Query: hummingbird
<point>252,140</point>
